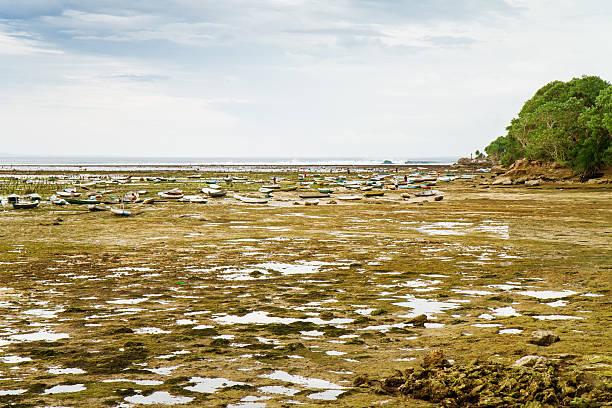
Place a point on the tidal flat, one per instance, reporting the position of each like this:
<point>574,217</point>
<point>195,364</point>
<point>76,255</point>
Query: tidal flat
<point>279,305</point>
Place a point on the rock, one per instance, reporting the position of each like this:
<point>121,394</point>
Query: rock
<point>543,338</point>
<point>530,183</point>
<point>438,198</point>
<point>418,321</point>
<point>332,202</point>
<point>296,203</point>
<point>506,181</point>
<point>435,359</point>
<point>530,361</point>
<point>598,181</point>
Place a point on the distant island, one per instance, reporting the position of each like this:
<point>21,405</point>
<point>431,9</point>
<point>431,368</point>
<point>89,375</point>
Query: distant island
<point>569,123</point>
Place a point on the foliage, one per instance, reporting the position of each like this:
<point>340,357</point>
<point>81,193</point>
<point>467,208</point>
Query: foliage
<point>565,122</point>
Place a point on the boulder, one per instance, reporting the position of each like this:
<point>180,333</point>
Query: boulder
<point>531,183</point>
<point>506,181</point>
<point>543,338</point>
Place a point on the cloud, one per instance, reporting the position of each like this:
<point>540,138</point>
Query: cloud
<point>13,42</point>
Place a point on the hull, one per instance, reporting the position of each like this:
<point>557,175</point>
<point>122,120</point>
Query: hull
<point>24,205</point>
<point>313,195</point>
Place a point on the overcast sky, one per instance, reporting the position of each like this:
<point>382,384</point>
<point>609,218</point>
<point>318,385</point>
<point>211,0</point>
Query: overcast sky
<point>299,78</point>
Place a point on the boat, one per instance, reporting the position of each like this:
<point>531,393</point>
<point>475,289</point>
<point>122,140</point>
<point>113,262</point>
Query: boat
<point>250,200</point>
<point>131,197</point>
<point>34,197</point>
<point>426,193</point>
<point>313,195</point>
<point>325,190</point>
<point>24,205</point>
<point>271,186</point>
<point>67,194</point>
<point>78,201</point>
<point>373,193</point>
<point>98,207</point>
<point>149,200</point>
<point>167,196</point>
<point>217,193</point>
<point>196,199</point>
<point>287,188</point>
<point>57,201</point>
<point>213,192</point>
<point>349,197</point>
<point>175,191</point>
<point>266,190</point>
<point>120,212</point>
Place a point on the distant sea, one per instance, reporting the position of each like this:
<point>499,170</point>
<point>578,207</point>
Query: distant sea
<point>162,163</point>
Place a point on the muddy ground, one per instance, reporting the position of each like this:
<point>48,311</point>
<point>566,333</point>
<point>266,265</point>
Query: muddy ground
<point>280,305</point>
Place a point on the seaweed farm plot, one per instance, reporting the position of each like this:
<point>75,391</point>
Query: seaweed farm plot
<point>239,306</point>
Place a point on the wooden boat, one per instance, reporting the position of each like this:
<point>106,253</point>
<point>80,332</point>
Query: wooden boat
<point>349,197</point>
<point>98,207</point>
<point>313,195</point>
<point>250,200</point>
<point>325,190</point>
<point>265,190</point>
<point>373,193</point>
<point>271,186</point>
<point>120,212</point>
<point>78,201</point>
<point>34,197</point>
<point>149,200</point>
<point>24,205</point>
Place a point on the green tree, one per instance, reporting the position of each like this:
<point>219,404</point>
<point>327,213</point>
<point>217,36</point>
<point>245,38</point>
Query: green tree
<point>565,122</point>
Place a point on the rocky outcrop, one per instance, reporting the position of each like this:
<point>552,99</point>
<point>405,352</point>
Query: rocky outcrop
<point>533,173</point>
<point>532,382</point>
<point>483,162</point>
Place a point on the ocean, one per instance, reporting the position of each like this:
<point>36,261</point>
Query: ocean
<point>92,163</point>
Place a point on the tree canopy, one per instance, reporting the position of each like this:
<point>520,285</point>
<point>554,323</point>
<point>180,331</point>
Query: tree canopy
<point>566,122</point>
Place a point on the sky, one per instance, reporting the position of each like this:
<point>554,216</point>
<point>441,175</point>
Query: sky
<point>278,78</point>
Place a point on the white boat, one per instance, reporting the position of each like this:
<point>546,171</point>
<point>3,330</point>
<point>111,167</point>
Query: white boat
<point>213,192</point>
<point>250,200</point>
<point>68,194</point>
<point>121,212</point>
<point>131,197</point>
<point>167,196</point>
<point>57,201</point>
<point>98,207</point>
<point>194,199</point>
<point>349,197</point>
